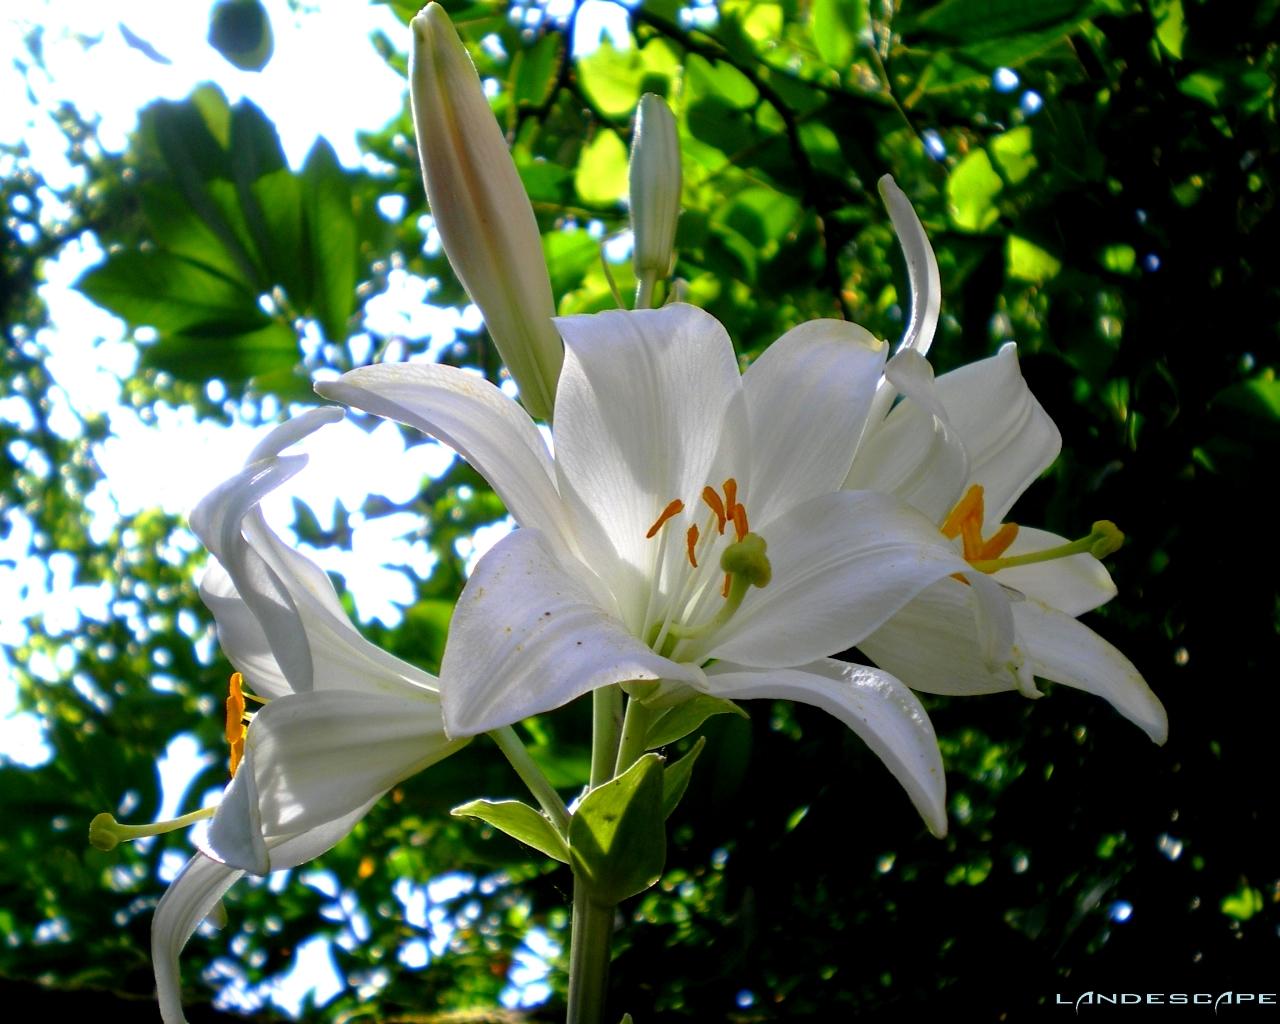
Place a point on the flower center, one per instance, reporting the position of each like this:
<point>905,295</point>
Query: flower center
<point>965,522</point>
<point>713,564</point>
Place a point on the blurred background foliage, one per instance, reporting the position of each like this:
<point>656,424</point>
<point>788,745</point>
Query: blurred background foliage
<point>1099,180</point>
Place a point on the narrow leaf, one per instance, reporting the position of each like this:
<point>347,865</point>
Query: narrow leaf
<point>520,821</point>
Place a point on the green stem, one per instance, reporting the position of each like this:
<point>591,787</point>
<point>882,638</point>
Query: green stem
<point>606,730</point>
<point>635,728</point>
<point>589,940</point>
<point>644,289</point>
<point>529,772</point>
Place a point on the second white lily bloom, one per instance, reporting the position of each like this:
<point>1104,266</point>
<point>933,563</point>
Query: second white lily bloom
<point>692,513</point>
<point>962,449</point>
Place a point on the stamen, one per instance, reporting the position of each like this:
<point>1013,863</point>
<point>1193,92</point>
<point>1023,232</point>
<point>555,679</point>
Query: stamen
<point>730,496</point>
<point>728,578</point>
<point>740,530</point>
<point>999,542</point>
<point>235,728</point>
<point>716,505</point>
<point>105,833</point>
<point>691,542</point>
<point>966,508</point>
<point>672,509</point>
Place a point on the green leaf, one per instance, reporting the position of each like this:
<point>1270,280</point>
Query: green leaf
<point>520,821</point>
<point>615,79</point>
<point>836,26</point>
<point>1026,261</point>
<point>268,357</point>
<point>676,776</point>
<point>1243,903</point>
<point>617,842</point>
<point>170,293</point>
<point>1171,25</point>
<point>974,20</point>
<point>333,240</point>
<point>1013,153</point>
<point>971,191</point>
<point>677,722</point>
<point>601,178</point>
<point>533,70</point>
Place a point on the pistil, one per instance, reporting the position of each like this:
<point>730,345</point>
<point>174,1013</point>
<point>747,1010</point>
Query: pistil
<point>1104,539</point>
<point>105,833</point>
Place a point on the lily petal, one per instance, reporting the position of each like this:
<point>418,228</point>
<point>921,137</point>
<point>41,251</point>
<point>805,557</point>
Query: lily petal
<point>201,883</point>
<point>922,278</point>
<point>313,758</point>
<point>1075,585</point>
<point>914,454</point>
<point>527,637</point>
<point>843,563</point>
<point>882,711</point>
<point>807,398</point>
<point>932,646</point>
<point>1063,650</point>
<point>1009,437</point>
<point>646,399</point>
<point>189,899</point>
<point>473,418</point>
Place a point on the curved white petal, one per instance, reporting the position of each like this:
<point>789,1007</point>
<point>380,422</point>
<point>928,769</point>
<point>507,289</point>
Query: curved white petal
<point>1064,651</point>
<point>313,758</point>
<point>922,279</point>
<point>218,521</point>
<point>933,645</point>
<point>807,400</point>
<point>527,637</point>
<point>187,902</point>
<point>1009,437</point>
<point>913,454</point>
<point>842,564</point>
<point>472,417</point>
<point>293,430</point>
<point>649,409</point>
<point>881,710</point>
<point>1075,585</point>
<point>202,882</point>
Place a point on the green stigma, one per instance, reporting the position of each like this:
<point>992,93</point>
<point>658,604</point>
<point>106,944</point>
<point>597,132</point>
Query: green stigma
<point>748,560</point>
<point>105,833</point>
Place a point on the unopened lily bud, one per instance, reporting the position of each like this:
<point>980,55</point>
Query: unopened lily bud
<point>655,187</point>
<point>481,210</point>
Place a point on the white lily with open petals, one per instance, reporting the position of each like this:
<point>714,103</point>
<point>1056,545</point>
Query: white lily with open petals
<point>962,449</point>
<point>342,720</point>
<point>691,514</point>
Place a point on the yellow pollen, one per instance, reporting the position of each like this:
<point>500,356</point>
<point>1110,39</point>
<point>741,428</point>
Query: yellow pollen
<point>716,505</point>
<point>235,728</point>
<point>691,541</point>
<point>674,508</point>
<point>965,522</point>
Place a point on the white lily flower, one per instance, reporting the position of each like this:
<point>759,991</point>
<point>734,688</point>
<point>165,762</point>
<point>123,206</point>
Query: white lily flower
<point>962,450</point>
<point>343,720</point>
<point>691,514</point>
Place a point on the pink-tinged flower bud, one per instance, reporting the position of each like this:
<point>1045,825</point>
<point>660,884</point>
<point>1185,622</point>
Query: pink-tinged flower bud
<point>655,187</point>
<point>481,209</point>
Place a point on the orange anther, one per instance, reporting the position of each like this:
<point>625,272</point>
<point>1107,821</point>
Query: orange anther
<point>724,591</point>
<point>730,496</point>
<point>673,509</point>
<point>691,540</point>
<point>716,505</point>
<point>999,542</point>
<point>235,729</point>
<point>235,708</point>
<point>739,521</point>
<point>967,508</point>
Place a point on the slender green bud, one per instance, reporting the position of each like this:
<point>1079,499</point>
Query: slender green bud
<point>655,188</point>
<point>481,210</point>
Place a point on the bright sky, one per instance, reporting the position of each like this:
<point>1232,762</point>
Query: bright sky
<point>309,88</point>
